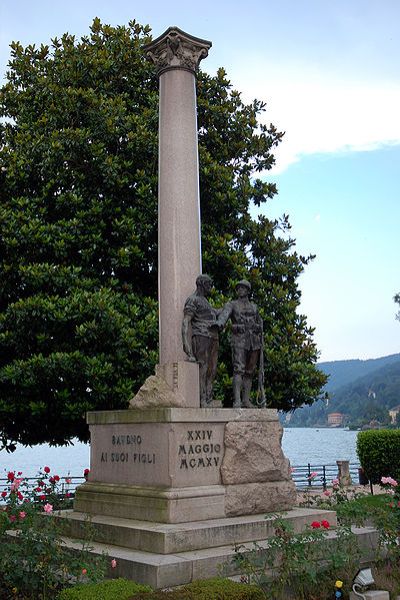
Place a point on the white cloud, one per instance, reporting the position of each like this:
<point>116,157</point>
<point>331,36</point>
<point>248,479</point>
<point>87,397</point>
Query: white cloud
<point>322,115</point>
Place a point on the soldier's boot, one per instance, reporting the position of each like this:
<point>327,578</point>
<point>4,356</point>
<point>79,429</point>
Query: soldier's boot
<point>237,388</point>
<point>247,380</point>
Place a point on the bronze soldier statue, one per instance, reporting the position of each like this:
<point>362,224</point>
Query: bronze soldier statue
<point>246,341</point>
<point>201,344</point>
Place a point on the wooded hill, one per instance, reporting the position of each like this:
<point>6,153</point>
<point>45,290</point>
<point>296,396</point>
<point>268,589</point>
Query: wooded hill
<point>361,390</point>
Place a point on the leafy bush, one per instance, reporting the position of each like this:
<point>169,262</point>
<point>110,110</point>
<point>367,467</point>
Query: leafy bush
<point>35,563</point>
<point>379,453</point>
<point>210,589</point>
<point>106,590</point>
<point>300,565</point>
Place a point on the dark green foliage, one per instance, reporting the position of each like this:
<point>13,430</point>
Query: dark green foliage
<point>210,589</point>
<point>379,453</point>
<point>111,589</point>
<point>78,243</point>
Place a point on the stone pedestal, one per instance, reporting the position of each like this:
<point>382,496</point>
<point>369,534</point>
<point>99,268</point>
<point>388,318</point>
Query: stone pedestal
<point>172,490</point>
<point>175,465</point>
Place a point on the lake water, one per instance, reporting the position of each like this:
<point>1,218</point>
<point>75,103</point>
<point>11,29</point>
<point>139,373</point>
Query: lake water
<point>300,445</point>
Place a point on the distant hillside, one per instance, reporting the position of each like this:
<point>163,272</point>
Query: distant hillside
<point>362,398</point>
<point>376,392</point>
<point>343,372</point>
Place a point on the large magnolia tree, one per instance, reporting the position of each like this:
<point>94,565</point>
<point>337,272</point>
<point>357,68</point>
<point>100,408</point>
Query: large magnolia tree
<point>78,238</point>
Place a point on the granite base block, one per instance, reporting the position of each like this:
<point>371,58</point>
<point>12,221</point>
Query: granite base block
<point>167,538</point>
<point>165,505</point>
<point>179,567</point>
<point>185,464</point>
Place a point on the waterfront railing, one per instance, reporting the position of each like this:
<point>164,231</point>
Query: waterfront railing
<point>322,476</point>
<point>304,476</point>
<point>65,486</point>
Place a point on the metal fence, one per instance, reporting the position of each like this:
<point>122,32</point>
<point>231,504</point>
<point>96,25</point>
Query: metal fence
<point>306,476</point>
<point>65,486</point>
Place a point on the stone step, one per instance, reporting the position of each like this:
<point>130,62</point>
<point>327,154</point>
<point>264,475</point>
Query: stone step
<point>167,538</point>
<point>169,570</point>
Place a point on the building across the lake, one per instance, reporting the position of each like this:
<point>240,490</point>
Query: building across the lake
<point>393,412</point>
<point>335,419</point>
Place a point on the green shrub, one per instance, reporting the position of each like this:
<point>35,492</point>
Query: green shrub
<point>224,589</point>
<point>112,589</point>
<point>379,453</point>
<point>209,589</point>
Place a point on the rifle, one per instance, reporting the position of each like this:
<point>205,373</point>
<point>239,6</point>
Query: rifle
<point>261,401</point>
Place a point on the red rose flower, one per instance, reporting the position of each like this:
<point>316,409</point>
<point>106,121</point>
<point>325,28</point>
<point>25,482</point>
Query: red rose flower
<point>10,476</point>
<point>20,496</point>
<point>4,494</point>
<point>325,524</point>
<point>46,469</point>
<point>42,497</point>
<point>52,480</point>
<point>315,524</point>
<point>56,478</point>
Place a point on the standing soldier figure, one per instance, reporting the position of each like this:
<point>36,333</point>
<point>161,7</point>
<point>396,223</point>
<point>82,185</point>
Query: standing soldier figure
<point>246,341</point>
<point>201,343</point>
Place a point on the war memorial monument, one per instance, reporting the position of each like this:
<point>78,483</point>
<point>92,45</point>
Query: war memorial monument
<point>174,481</point>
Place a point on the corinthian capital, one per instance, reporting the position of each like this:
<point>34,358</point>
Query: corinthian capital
<point>175,49</point>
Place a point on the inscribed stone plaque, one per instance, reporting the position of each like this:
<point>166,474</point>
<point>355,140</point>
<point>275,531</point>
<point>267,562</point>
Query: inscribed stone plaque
<point>157,454</point>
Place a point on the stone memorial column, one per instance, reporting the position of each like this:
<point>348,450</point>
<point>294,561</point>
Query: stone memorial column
<point>176,56</point>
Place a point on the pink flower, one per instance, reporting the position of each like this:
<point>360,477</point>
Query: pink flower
<point>335,482</point>
<point>327,493</point>
<point>46,469</point>
<point>48,508</point>
<point>15,485</point>
<point>67,494</point>
<point>312,475</point>
<point>22,514</point>
<point>84,571</point>
<point>389,481</point>
<point>325,524</point>
<point>12,518</point>
<point>315,524</point>
<point>113,563</point>
<point>68,480</point>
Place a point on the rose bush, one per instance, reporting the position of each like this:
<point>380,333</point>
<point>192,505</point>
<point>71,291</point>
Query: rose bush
<point>35,563</point>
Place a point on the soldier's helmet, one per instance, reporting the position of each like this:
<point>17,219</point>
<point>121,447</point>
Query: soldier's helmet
<point>244,283</point>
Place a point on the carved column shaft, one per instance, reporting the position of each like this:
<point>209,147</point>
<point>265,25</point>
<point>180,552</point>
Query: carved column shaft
<point>176,56</point>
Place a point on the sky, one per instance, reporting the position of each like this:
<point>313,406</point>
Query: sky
<point>329,72</point>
